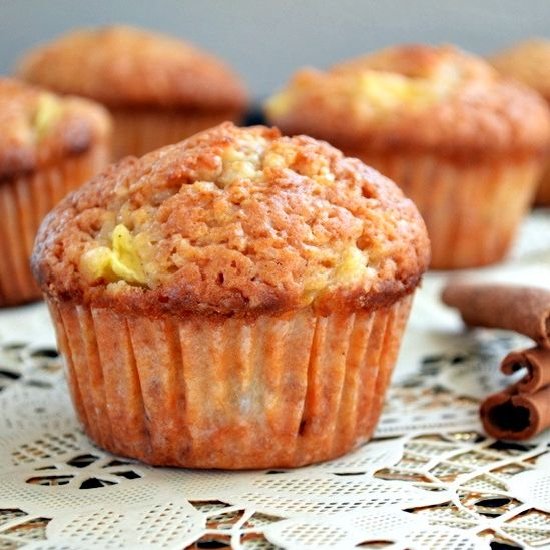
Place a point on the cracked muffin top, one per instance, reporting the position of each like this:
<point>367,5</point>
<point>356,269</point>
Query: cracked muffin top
<point>234,221</point>
<point>129,67</point>
<point>528,62</point>
<point>40,128</point>
<point>414,97</point>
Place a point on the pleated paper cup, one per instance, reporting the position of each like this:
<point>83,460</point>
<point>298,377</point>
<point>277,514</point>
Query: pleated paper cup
<point>542,197</point>
<point>277,391</point>
<point>138,131</point>
<point>472,211</point>
<point>24,202</point>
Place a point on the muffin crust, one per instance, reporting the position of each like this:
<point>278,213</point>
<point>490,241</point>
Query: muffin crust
<point>528,62</point>
<point>127,67</point>
<point>234,222</point>
<point>415,98</point>
<point>39,128</point>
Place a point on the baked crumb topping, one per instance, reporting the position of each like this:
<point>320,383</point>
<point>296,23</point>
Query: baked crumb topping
<point>414,98</point>
<point>377,85</point>
<point>528,62</point>
<point>370,94</point>
<point>125,66</point>
<point>235,212</point>
<point>39,127</point>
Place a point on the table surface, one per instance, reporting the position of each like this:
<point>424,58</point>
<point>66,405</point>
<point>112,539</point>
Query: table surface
<point>429,479</point>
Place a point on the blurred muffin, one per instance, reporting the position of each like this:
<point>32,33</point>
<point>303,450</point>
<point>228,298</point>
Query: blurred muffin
<point>159,89</point>
<point>236,300</point>
<point>464,144</point>
<point>529,62</point>
<point>48,147</point>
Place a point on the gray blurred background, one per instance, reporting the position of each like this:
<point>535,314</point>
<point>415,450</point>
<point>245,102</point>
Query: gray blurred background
<point>267,40</point>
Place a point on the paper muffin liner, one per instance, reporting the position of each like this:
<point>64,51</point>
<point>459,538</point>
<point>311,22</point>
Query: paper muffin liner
<point>277,391</point>
<point>24,202</point>
<point>542,196</point>
<point>472,211</point>
<point>136,132</point>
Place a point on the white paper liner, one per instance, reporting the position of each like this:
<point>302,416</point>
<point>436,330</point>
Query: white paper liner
<point>279,391</point>
<point>23,205</point>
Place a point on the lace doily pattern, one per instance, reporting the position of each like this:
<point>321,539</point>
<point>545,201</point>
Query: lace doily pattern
<point>429,480</point>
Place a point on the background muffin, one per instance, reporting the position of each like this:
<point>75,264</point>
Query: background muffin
<point>159,89</point>
<point>529,62</point>
<point>48,146</point>
<point>464,144</point>
<point>233,301</point>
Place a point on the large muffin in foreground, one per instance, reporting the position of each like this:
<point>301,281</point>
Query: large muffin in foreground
<point>466,145</point>
<point>236,300</point>
<point>529,62</point>
<point>48,146</point>
<point>158,89</point>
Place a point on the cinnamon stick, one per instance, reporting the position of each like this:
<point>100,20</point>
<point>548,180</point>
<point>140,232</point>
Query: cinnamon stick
<point>522,309</point>
<point>516,416</point>
<point>537,363</point>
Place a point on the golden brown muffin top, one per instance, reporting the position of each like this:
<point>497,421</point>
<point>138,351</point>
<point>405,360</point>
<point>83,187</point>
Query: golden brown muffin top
<point>528,62</point>
<point>234,221</point>
<point>414,97</point>
<point>39,128</point>
<point>128,67</point>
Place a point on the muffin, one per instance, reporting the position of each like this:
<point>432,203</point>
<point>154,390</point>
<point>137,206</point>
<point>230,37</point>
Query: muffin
<point>48,147</point>
<point>466,145</point>
<point>235,300</point>
<point>529,62</point>
<point>159,90</point>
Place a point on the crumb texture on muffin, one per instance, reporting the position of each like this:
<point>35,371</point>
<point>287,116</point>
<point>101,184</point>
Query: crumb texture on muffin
<point>414,97</point>
<point>234,221</point>
<point>528,62</point>
<point>40,128</point>
<point>124,66</point>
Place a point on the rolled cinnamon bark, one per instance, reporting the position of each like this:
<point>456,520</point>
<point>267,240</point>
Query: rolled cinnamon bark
<point>522,309</point>
<point>516,416</point>
<point>537,363</point>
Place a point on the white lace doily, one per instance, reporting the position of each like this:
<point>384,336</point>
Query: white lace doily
<point>429,480</point>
